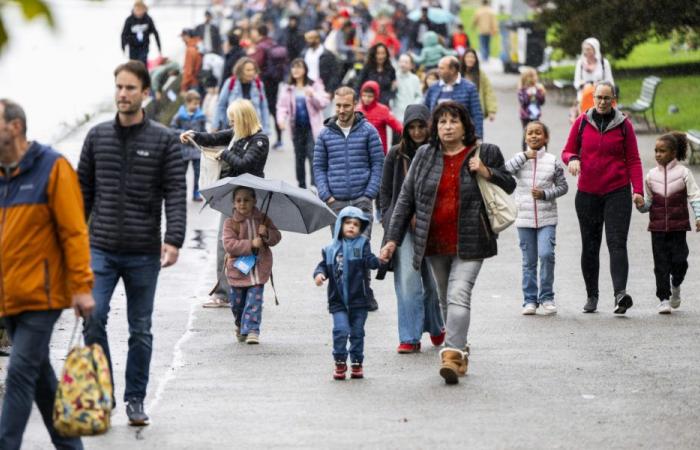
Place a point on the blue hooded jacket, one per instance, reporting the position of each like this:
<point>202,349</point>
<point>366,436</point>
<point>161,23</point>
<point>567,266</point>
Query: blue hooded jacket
<point>183,121</point>
<point>345,264</point>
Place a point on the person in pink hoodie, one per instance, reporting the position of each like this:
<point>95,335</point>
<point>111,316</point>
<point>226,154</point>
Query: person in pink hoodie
<point>602,151</point>
<point>247,238</point>
<point>379,115</point>
<point>300,105</point>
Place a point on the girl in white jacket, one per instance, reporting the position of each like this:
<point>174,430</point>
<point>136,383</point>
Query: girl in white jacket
<point>540,178</point>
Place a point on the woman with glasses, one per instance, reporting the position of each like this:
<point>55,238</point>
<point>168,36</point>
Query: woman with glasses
<point>602,151</point>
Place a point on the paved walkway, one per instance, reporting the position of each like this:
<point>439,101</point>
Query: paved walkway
<point>568,381</point>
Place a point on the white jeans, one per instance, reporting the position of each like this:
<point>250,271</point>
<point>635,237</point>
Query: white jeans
<point>455,279</point>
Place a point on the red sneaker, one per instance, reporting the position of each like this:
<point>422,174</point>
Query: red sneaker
<point>340,369</point>
<point>356,371</point>
<point>406,347</point>
<point>438,340</point>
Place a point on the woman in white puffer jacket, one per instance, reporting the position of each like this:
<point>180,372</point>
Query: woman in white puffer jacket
<point>540,180</point>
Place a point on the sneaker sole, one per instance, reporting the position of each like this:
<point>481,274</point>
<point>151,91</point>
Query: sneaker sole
<point>665,311</point>
<point>529,313</point>
<point>589,311</point>
<point>449,375</point>
<point>252,342</point>
<point>339,377</point>
<point>550,313</point>
<point>138,423</point>
<point>623,305</point>
<point>356,377</point>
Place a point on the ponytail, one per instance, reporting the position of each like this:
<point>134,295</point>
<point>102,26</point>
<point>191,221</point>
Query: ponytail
<point>678,141</point>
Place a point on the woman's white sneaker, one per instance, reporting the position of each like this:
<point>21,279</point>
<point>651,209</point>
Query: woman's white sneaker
<point>530,309</point>
<point>549,308</point>
<point>664,307</point>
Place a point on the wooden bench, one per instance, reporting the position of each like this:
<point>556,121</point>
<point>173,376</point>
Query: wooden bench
<point>694,140</point>
<point>646,101</point>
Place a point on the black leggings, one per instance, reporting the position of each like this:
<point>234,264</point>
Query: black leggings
<point>614,211</point>
<point>670,261</point>
<point>303,142</point>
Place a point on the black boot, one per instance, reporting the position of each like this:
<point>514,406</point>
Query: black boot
<point>591,305</point>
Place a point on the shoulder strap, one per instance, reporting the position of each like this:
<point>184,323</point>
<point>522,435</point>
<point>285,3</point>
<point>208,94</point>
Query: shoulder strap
<point>579,135</point>
<point>258,83</point>
<point>231,82</point>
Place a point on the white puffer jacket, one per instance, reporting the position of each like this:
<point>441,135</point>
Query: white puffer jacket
<point>545,173</point>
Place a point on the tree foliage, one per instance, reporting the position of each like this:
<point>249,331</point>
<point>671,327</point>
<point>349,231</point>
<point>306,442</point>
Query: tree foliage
<point>31,9</point>
<point>619,25</point>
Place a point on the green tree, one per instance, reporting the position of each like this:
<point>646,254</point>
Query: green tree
<point>31,9</point>
<point>619,25</point>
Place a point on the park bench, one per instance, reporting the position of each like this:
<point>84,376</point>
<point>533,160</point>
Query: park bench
<point>645,102</point>
<point>694,140</point>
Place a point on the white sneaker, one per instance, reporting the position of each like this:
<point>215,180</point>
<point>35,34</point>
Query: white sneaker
<point>664,307</point>
<point>675,297</point>
<point>549,308</point>
<point>530,309</point>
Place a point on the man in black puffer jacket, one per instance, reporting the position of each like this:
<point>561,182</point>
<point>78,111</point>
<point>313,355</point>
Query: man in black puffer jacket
<point>128,167</point>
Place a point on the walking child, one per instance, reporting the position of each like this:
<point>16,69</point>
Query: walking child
<point>247,238</point>
<point>669,188</point>
<point>346,261</point>
<point>540,181</point>
<point>531,95</point>
<point>191,117</point>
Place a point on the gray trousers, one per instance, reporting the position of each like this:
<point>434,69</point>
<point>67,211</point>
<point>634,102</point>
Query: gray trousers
<point>222,288</point>
<point>455,279</point>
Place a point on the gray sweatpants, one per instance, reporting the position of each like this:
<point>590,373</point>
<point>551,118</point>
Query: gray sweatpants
<point>455,280</point>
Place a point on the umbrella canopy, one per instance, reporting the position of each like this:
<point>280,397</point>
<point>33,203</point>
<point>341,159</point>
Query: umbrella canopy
<point>436,15</point>
<point>290,208</point>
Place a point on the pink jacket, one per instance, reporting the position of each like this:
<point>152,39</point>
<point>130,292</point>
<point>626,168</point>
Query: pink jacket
<point>286,106</point>
<point>669,188</point>
<point>238,234</point>
<point>609,160</point>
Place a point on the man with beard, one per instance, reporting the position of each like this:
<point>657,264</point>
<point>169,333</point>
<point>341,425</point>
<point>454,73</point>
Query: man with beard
<point>321,62</point>
<point>128,167</point>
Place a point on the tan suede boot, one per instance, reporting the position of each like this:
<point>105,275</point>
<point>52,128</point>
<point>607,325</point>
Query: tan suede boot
<point>454,365</point>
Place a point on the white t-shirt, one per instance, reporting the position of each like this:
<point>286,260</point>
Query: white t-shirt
<point>346,131</point>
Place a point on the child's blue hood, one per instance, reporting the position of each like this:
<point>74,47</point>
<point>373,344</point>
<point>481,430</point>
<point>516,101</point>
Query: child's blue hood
<point>183,114</point>
<point>349,211</point>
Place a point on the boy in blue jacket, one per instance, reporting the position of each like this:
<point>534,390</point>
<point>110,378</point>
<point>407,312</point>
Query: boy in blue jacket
<point>345,263</point>
<point>191,117</point>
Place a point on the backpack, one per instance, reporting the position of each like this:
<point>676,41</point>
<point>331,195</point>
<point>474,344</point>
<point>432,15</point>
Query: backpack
<point>258,84</point>
<point>582,125</point>
<point>276,59</point>
<point>83,401</point>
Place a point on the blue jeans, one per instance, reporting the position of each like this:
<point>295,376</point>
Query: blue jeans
<point>140,275</point>
<point>538,243</point>
<point>416,293</point>
<point>349,325</point>
<point>30,378</point>
<point>247,306</point>
<point>484,46</point>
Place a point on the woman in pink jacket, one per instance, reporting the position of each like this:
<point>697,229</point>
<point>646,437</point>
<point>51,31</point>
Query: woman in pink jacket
<point>300,104</point>
<point>602,151</point>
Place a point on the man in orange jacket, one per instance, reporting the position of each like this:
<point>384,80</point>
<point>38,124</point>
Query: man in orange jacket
<point>44,268</point>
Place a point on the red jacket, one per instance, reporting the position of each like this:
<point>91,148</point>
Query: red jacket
<point>379,115</point>
<point>609,160</point>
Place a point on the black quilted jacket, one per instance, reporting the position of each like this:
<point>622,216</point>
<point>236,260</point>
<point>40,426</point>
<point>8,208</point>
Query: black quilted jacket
<point>418,194</point>
<point>125,175</point>
<point>248,155</point>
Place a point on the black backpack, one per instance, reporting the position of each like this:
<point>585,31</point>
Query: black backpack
<point>276,60</point>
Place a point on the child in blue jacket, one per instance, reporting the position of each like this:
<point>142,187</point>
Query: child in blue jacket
<point>345,264</point>
<point>191,117</point>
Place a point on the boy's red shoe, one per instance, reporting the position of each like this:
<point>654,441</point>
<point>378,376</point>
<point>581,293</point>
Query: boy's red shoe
<point>356,371</point>
<point>406,347</point>
<point>438,340</point>
<point>340,369</point>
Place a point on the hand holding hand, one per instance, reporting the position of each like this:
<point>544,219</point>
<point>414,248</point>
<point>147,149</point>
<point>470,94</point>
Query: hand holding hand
<point>575,167</point>
<point>168,255</point>
<point>187,136</point>
<point>257,243</point>
<point>387,252</point>
<point>538,194</point>
<point>638,200</point>
<point>530,153</point>
<point>83,304</point>
<point>320,278</point>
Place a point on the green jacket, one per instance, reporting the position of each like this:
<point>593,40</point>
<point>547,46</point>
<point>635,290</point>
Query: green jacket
<point>489,105</point>
<point>432,51</point>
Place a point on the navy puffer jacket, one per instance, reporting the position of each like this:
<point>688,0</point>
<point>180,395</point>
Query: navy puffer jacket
<point>348,168</point>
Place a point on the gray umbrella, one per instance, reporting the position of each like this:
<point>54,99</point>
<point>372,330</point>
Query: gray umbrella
<point>290,208</point>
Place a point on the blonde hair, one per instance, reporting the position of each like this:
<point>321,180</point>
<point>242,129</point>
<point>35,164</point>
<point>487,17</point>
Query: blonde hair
<point>528,77</point>
<point>245,119</point>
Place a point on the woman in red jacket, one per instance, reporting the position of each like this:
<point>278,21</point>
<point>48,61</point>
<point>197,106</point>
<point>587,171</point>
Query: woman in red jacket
<point>602,151</point>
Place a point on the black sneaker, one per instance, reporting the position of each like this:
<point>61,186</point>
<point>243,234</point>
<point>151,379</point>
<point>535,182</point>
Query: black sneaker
<point>623,302</point>
<point>591,305</point>
<point>373,306</point>
<point>134,411</point>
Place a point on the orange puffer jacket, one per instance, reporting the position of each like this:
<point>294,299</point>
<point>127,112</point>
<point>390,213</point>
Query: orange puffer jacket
<point>44,247</point>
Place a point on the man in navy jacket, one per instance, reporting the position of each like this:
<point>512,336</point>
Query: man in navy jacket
<point>453,87</point>
<point>348,160</point>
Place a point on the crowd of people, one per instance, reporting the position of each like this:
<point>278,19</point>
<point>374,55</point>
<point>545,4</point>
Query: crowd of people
<point>385,114</point>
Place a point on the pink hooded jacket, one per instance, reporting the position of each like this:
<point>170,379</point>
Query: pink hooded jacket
<point>238,234</point>
<point>286,107</point>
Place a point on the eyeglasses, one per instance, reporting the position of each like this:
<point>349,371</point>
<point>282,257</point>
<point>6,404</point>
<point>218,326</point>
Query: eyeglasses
<point>600,98</point>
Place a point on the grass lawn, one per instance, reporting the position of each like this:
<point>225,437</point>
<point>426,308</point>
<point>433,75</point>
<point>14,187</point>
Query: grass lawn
<point>682,91</point>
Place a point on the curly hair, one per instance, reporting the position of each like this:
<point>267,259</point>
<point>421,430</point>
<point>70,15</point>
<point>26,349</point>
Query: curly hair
<point>453,109</point>
<point>678,142</point>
